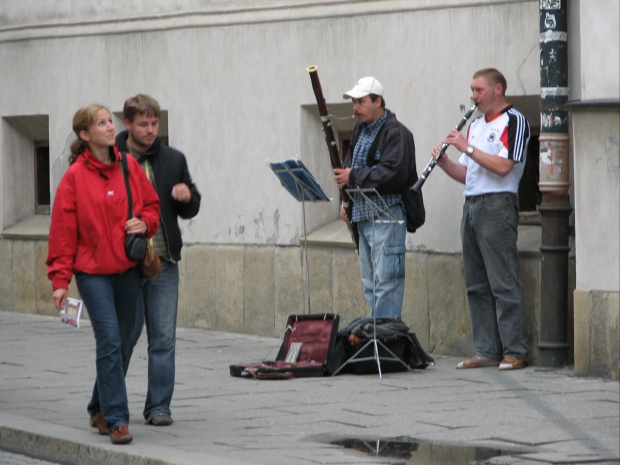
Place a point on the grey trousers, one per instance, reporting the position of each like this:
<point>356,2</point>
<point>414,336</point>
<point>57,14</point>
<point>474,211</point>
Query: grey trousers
<point>489,237</point>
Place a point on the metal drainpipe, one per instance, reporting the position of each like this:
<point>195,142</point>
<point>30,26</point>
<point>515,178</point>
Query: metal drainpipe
<point>554,183</point>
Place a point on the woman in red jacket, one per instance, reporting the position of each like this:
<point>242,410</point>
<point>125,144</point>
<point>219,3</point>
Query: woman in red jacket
<point>87,236</point>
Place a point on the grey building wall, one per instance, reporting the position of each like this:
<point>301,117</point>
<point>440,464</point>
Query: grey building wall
<point>594,44</point>
<point>235,86</point>
<point>253,289</point>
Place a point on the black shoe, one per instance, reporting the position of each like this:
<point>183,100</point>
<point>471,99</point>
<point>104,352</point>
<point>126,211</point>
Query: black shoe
<point>160,420</point>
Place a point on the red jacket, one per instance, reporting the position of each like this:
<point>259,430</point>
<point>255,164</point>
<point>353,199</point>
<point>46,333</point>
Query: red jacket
<point>87,231</point>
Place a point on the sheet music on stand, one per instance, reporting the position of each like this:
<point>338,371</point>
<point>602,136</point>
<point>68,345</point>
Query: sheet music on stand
<point>303,186</point>
<point>298,180</point>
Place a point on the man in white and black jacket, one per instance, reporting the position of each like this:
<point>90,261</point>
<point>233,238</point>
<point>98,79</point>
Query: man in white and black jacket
<point>179,197</point>
<point>491,163</point>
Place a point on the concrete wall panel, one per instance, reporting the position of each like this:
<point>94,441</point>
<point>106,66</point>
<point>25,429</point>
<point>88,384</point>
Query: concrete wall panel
<point>450,324</point>
<point>290,288</point>
<point>199,271</point>
<point>596,142</point>
<point>24,290</point>
<point>232,102</point>
<point>259,290</point>
<point>229,291</point>
<point>6,272</point>
<point>599,41</point>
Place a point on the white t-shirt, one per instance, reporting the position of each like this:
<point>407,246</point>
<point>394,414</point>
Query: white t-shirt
<point>506,136</point>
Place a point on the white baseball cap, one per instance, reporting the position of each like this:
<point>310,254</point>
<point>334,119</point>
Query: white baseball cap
<point>365,86</point>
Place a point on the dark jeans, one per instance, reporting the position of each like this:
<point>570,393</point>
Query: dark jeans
<point>111,302</point>
<point>489,235</point>
<point>158,308</point>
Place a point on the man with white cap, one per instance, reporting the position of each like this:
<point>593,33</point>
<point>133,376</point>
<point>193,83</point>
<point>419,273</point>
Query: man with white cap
<point>381,156</point>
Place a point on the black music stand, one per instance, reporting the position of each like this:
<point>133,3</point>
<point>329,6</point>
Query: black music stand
<point>380,214</point>
<point>299,181</point>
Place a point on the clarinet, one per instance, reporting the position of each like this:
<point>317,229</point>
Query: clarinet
<point>418,185</point>
<point>333,149</point>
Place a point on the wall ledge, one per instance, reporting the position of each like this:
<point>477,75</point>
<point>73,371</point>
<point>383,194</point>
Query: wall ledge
<point>35,228</point>
<point>597,103</point>
<point>231,16</point>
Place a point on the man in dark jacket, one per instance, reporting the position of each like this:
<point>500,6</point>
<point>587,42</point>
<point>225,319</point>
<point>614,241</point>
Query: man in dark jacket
<point>382,156</point>
<point>179,197</point>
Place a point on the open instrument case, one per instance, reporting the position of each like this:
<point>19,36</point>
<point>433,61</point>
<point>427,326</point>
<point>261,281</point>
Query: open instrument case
<point>307,350</point>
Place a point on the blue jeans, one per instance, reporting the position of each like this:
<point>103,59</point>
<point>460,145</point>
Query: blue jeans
<point>388,248</point>
<point>489,236</point>
<point>159,309</point>
<point>111,302</point>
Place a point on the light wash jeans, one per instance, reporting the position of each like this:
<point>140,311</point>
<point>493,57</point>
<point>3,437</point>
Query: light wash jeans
<point>111,302</point>
<point>159,309</point>
<point>388,247</point>
<point>489,236</point>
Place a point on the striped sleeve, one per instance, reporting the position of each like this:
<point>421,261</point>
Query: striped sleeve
<point>518,135</point>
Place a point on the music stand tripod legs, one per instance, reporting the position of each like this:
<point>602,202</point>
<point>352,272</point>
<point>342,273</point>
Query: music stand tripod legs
<point>303,186</point>
<point>379,214</point>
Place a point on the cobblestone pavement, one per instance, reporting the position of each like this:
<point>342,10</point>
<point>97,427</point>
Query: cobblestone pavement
<point>47,371</point>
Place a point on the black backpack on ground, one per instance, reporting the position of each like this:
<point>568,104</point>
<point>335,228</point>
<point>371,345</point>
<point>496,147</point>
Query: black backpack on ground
<point>392,333</point>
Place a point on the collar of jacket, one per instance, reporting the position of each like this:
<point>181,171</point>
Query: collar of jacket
<point>391,118</point>
<point>151,152</point>
<point>91,162</point>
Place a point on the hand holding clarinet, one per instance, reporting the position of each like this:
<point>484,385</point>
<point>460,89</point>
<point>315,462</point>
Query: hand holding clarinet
<point>453,138</point>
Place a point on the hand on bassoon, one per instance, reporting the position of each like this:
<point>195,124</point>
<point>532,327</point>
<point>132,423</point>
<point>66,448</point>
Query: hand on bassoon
<point>341,176</point>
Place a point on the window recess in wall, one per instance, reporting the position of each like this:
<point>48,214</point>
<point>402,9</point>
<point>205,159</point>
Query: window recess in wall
<point>529,193</point>
<point>42,177</point>
<point>26,167</point>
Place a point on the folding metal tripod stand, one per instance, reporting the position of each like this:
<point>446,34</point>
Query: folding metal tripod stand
<point>379,214</point>
<point>302,185</point>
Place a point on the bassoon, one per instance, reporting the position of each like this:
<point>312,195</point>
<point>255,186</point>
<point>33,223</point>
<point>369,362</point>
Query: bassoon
<point>333,149</point>
<point>422,179</point>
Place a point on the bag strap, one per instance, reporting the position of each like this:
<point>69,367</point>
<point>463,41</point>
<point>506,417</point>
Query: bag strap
<point>372,151</point>
<point>125,170</point>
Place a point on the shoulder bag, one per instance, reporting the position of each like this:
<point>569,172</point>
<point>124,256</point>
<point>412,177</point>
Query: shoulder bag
<point>137,247</point>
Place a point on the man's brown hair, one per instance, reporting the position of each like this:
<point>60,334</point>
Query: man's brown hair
<point>492,76</point>
<point>141,104</point>
<point>374,97</point>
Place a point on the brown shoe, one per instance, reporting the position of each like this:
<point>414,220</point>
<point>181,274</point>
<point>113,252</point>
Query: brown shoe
<point>512,363</point>
<point>97,421</point>
<point>477,361</point>
<point>120,435</point>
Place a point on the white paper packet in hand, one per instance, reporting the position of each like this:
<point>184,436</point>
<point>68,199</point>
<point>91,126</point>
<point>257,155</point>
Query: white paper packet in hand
<point>71,312</point>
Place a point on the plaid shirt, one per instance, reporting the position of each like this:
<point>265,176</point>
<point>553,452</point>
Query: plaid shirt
<point>158,241</point>
<point>367,135</point>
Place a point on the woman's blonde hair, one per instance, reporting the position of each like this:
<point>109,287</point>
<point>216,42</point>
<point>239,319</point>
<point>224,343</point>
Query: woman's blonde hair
<point>82,120</point>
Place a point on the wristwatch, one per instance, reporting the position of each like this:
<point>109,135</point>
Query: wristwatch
<point>470,150</point>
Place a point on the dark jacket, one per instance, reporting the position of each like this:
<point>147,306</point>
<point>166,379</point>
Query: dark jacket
<point>169,169</point>
<point>396,167</point>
